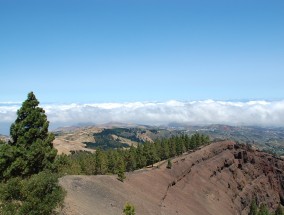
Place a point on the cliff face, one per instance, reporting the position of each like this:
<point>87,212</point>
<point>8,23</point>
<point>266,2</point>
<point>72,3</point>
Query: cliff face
<point>221,178</point>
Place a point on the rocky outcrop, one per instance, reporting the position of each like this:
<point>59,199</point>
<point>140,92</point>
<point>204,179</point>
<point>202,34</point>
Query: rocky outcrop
<point>221,178</point>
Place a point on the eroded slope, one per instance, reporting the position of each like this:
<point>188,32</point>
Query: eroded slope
<point>221,178</point>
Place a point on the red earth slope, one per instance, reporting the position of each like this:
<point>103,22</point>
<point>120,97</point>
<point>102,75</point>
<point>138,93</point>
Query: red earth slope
<point>219,179</point>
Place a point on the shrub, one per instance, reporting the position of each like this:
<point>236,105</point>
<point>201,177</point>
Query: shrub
<point>128,209</point>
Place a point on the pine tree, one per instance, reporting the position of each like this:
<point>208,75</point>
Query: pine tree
<point>172,148</point>
<point>169,165</point>
<point>121,170</point>
<point>131,164</point>
<point>30,150</point>
<point>140,157</point>
<point>165,150</point>
<point>101,162</point>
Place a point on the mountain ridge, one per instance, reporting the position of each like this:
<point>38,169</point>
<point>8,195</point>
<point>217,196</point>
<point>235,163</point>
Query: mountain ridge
<point>221,178</point>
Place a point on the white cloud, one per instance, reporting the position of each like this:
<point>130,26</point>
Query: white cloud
<point>262,113</point>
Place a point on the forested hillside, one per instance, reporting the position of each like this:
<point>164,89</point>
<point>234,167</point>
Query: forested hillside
<point>116,161</point>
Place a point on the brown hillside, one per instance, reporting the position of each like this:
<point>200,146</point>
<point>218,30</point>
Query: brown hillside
<point>219,179</point>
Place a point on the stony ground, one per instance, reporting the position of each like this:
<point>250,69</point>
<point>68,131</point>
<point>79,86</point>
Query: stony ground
<point>219,179</point>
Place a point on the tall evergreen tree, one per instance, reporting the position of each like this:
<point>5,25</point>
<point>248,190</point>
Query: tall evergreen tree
<point>121,170</point>
<point>130,158</point>
<point>140,157</point>
<point>165,150</point>
<point>30,150</point>
<point>101,162</point>
<point>172,148</point>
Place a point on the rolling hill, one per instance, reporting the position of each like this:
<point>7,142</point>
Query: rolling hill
<point>123,135</point>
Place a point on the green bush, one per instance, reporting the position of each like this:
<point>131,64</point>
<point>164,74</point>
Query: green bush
<point>38,195</point>
<point>128,209</point>
<point>42,194</point>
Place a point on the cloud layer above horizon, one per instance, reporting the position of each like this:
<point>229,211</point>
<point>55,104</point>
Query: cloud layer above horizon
<point>262,113</point>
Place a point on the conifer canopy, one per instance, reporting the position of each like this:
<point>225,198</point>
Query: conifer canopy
<point>30,149</point>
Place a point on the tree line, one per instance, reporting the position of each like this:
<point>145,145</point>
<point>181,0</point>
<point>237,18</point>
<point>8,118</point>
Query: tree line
<point>117,161</point>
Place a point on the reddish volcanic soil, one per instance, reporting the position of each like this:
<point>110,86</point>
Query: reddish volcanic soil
<point>219,179</point>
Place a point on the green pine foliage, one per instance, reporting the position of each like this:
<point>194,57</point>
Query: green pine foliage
<point>38,194</point>
<point>110,161</point>
<point>169,165</point>
<point>129,209</point>
<point>263,209</point>
<point>253,208</point>
<point>30,150</point>
<point>101,166</point>
<point>27,185</point>
<point>121,170</point>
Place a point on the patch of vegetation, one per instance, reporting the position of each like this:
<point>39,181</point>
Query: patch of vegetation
<point>120,160</point>
<point>106,144</point>
<point>129,209</point>
<point>263,209</point>
<point>263,137</point>
<point>105,140</point>
<point>169,164</point>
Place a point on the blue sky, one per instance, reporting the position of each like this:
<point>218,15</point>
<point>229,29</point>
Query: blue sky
<point>145,50</point>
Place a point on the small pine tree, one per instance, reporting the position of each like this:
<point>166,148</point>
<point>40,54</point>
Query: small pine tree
<point>121,171</point>
<point>101,166</point>
<point>129,209</point>
<point>169,165</point>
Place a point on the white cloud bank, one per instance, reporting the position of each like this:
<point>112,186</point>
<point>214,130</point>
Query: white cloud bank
<point>263,113</point>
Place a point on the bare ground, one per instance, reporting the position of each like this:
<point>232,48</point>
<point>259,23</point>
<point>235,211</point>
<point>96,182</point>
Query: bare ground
<point>219,179</point>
